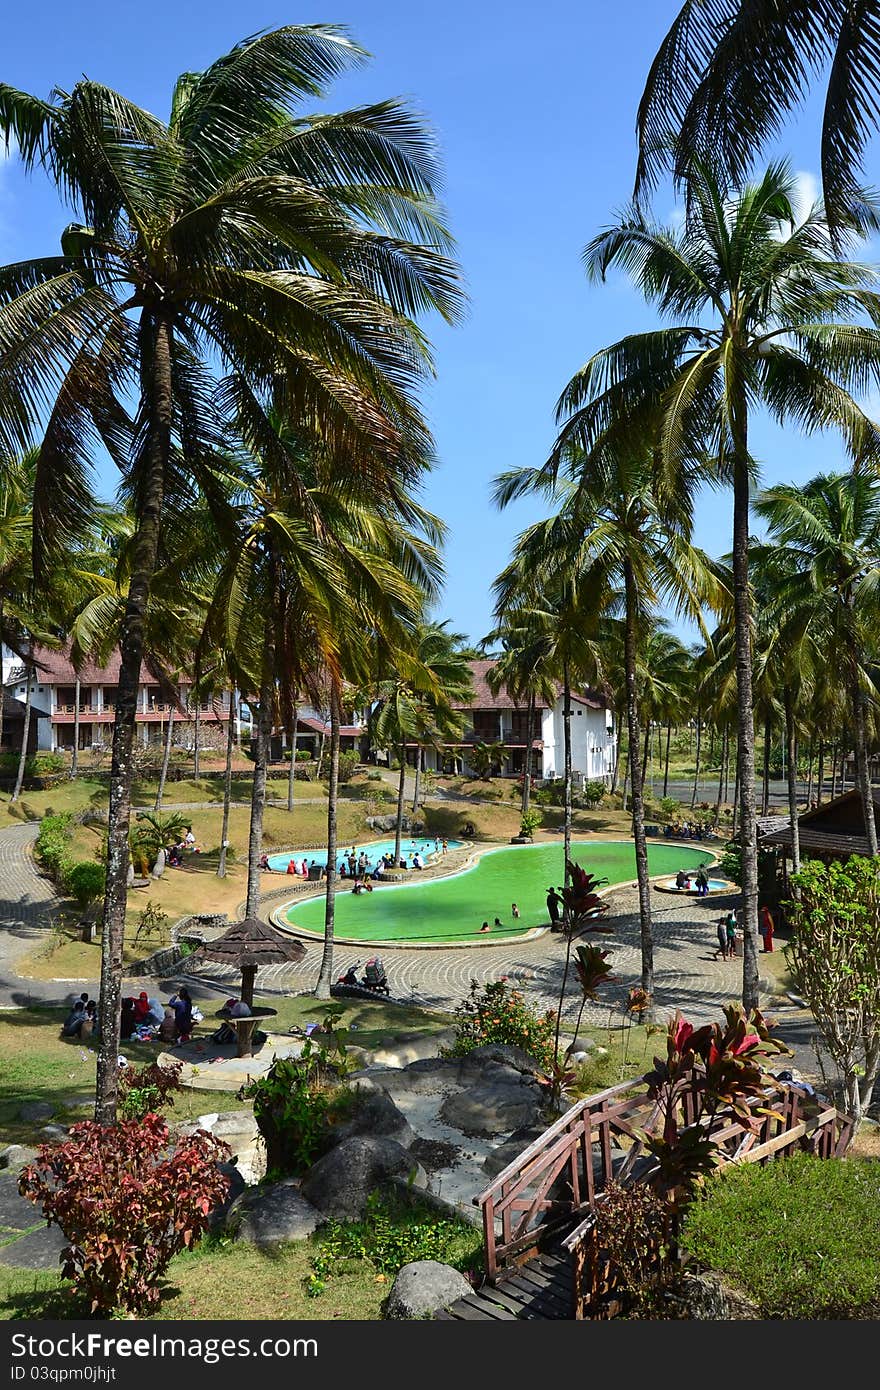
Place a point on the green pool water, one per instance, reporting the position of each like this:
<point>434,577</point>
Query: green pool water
<point>453,909</point>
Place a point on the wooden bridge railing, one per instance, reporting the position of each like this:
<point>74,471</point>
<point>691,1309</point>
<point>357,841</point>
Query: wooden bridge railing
<point>560,1176</point>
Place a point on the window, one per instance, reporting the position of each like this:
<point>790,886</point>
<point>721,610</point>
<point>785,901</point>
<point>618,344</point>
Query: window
<point>580,712</point>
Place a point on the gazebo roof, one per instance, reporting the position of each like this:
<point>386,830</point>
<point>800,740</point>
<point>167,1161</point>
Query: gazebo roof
<point>252,942</point>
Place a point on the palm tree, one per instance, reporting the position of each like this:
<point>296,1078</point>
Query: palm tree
<point>828,578</point>
<point>761,312</point>
<point>240,230</point>
<point>518,670</point>
<point>610,528</point>
<point>727,74</point>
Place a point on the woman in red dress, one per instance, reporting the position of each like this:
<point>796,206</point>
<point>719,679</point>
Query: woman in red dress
<point>766,928</point>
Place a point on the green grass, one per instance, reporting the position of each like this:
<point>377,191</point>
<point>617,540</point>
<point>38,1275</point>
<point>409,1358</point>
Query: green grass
<point>452,909</point>
<point>799,1236</point>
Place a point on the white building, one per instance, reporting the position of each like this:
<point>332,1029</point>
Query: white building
<point>497,719</point>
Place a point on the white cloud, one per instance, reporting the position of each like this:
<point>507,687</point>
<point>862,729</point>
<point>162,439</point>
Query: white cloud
<point>806,193</point>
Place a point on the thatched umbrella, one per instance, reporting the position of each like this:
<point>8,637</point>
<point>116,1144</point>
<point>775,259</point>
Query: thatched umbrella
<point>250,944</point>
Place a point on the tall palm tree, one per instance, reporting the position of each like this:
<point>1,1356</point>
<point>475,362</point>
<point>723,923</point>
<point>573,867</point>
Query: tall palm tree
<point>828,577</point>
<point>761,312</point>
<point>728,73</point>
<point>609,527</point>
<point>519,671</point>
<point>239,230</point>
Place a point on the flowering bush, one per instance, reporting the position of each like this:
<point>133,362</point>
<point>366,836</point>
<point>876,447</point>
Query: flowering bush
<point>142,1089</point>
<point>495,1013</point>
<point>127,1203</point>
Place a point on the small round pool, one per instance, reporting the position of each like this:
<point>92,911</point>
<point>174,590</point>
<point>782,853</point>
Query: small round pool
<point>452,910</point>
<point>427,846</point>
<point>716,885</point>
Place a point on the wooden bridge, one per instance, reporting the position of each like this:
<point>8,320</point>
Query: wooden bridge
<point>540,1212</point>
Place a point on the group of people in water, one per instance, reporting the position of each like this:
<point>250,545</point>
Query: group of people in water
<point>356,865</point>
<point>514,912</point>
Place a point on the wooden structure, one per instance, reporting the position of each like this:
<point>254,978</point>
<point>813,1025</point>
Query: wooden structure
<point>244,1028</point>
<point>834,830</point>
<point>247,945</point>
<point>539,1214</point>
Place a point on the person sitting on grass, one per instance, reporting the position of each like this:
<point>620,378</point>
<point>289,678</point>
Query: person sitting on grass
<point>71,1026</point>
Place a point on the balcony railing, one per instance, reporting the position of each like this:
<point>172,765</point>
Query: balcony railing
<point>71,709</point>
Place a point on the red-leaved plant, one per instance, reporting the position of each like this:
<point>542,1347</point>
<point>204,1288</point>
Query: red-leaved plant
<point>706,1070</point>
<point>128,1201</point>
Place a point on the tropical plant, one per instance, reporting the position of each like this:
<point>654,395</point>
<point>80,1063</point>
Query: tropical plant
<point>727,74</point>
<point>497,1013</point>
<point>762,312</point>
<point>291,248</point>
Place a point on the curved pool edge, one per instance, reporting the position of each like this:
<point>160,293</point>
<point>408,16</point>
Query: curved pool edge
<point>477,850</point>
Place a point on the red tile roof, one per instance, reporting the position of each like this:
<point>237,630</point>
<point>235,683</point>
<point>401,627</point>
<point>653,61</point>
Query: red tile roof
<point>485,699</point>
<point>55,668</point>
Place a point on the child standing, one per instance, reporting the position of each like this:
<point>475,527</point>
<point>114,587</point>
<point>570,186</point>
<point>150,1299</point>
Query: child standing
<point>514,910</point>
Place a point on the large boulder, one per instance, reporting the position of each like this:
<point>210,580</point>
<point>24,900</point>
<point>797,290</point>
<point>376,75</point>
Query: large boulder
<point>375,1113</point>
<point>508,1054</point>
<point>423,1288</point>
<point>237,1185</point>
<point>340,1182</point>
<point>496,1161</point>
<point>492,1108</point>
<point>270,1216</point>
<point>33,1111</point>
<point>17,1156</point>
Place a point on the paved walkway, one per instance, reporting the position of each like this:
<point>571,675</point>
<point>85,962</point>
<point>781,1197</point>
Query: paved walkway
<point>687,975</point>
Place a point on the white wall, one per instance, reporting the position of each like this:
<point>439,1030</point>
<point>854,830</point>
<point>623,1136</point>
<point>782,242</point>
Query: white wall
<point>592,741</point>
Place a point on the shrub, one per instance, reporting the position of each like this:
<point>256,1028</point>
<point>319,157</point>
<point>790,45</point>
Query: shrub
<point>799,1235</point>
<point>632,1243</point>
<point>392,1234</point>
<point>85,881</point>
<point>593,794</point>
<point>374,777</point>
<point>495,1013</point>
<point>153,921</point>
<point>295,1104</point>
<point>730,864</point>
<point>669,806</point>
<point>146,1089</point>
<point>127,1204</point>
<point>53,842</point>
<point>348,763</point>
<point>529,822</point>
<point>303,755</point>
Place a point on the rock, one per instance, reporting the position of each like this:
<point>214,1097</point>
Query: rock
<point>232,1124</point>
<point>51,1133</point>
<point>16,1156</point>
<point>709,1297</point>
<point>423,1288</point>
<point>237,1185</point>
<point>340,1182</point>
<point>491,1108</point>
<point>508,1054</point>
<point>375,1114</point>
<point>34,1110</point>
<point>498,1159</point>
<point>273,1215</point>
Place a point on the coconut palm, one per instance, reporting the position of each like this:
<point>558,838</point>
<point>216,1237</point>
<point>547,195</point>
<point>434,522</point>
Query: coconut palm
<point>729,72</point>
<point>761,312</point>
<point>828,579</point>
<point>239,230</point>
<point>518,670</point>
<point>609,527</point>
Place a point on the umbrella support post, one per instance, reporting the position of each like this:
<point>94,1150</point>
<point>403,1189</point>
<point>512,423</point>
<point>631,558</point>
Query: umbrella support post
<point>248,975</point>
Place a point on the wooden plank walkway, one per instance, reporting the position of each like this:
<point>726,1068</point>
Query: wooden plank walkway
<point>541,1288</point>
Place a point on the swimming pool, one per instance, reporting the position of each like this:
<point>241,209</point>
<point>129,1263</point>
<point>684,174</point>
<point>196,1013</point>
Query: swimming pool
<point>452,910</point>
<point>374,849</point>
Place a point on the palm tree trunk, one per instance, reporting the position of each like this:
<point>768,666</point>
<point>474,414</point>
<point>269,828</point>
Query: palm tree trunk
<point>74,760</point>
<point>723,771</point>
<point>791,754</point>
<point>325,975</point>
<point>863,777</point>
<point>745,708</point>
<point>566,735</point>
<point>22,757</point>
<point>735,801</point>
<point>401,792</point>
<point>320,757</point>
<point>527,769</point>
<point>145,543</point>
<point>697,763</point>
<point>765,791</point>
<point>638,806</point>
<point>418,785</point>
<point>166,759</point>
<point>666,763</point>
<point>261,761</point>
<point>197,730</point>
<point>227,786</point>
<point>646,752</point>
<point>820,772</point>
<point>833,771</point>
<point>291,776</point>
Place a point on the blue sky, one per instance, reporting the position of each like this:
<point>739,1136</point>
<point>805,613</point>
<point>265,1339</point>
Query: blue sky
<point>534,108</point>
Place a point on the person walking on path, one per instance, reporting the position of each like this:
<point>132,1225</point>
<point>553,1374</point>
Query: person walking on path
<point>702,882</point>
<point>731,933</point>
<point>765,927</point>
<point>722,939</point>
